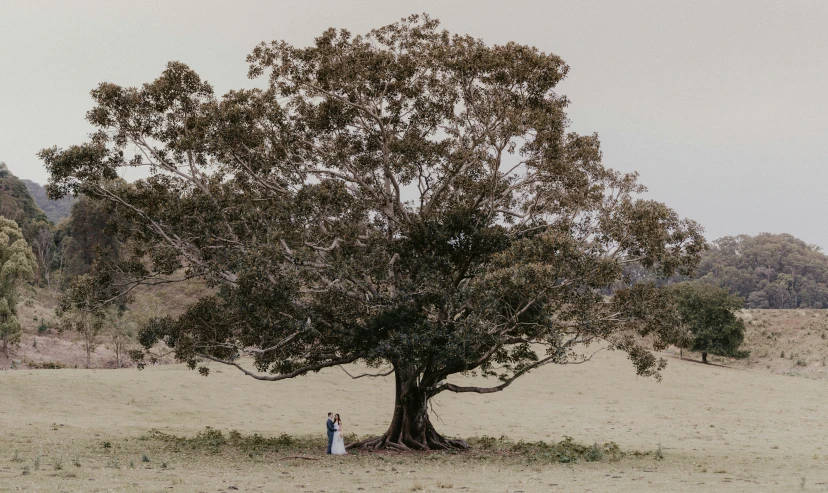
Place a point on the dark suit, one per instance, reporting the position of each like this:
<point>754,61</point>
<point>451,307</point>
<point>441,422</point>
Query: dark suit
<point>331,431</point>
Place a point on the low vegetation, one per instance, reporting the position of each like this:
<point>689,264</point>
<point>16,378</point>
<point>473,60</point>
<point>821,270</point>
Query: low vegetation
<point>215,441</point>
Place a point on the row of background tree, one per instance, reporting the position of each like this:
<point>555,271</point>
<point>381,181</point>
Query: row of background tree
<point>766,270</point>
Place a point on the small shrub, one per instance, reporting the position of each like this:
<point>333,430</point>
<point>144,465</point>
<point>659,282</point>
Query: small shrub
<point>594,453</point>
<point>801,362</point>
<point>132,464</point>
<point>46,365</point>
<point>37,463</point>
<point>163,465</point>
<point>145,458</point>
<point>285,440</point>
<point>76,462</point>
<point>57,463</point>
<point>565,451</point>
<point>107,444</point>
<point>486,442</point>
<point>26,470</point>
<point>659,454</point>
<point>15,364</point>
<point>42,328</point>
<point>782,354</point>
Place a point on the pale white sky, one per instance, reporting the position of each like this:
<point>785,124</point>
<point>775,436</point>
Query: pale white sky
<point>721,106</point>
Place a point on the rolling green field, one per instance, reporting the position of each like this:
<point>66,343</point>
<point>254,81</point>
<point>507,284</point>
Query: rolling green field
<point>719,429</point>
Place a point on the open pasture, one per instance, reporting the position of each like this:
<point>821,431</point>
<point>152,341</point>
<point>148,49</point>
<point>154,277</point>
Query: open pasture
<point>719,429</point>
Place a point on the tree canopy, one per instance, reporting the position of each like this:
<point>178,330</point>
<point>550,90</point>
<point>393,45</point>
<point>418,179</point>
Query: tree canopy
<point>408,198</point>
<point>709,313</point>
<point>768,270</point>
<point>17,205</point>
<point>87,236</point>
<point>17,264</point>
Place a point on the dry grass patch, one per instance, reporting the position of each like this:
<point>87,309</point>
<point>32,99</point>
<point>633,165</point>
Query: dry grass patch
<point>601,402</point>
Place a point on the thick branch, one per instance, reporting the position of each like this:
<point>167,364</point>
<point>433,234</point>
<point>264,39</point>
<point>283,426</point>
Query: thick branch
<point>285,376</point>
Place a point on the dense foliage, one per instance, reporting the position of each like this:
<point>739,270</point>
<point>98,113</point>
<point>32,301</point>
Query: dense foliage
<point>17,264</point>
<point>68,249</point>
<point>408,198</point>
<point>709,314</point>
<point>17,205</point>
<point>87,236</point>
<point>768,270</point>
<point>55,210</point>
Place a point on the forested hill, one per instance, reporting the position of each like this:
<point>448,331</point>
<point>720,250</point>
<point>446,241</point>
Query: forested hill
<point>768,270</point>
<point>55,209</point>
<point>16,203</point>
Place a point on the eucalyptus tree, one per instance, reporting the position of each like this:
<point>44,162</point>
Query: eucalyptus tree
<point>81,311</point>
<point>709,313</point>
<point>121,329</point>
<point>17,265</point>
<point>407,198</point>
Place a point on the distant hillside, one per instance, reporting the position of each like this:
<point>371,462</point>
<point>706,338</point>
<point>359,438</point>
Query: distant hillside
<point>44,346</point>
<point>768,270</point>
<point>16,203</point>
<point>55,209</point>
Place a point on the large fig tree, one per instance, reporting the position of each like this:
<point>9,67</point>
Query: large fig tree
<point>408,198</point>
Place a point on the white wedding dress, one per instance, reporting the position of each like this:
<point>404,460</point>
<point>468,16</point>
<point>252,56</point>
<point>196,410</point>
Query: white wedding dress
<point>338,446</point>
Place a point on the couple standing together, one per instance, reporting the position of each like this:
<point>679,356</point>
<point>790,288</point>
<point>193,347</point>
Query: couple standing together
<point>336,444</point>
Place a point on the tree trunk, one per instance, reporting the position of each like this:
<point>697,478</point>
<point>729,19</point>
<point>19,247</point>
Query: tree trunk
<point>410,428</point>
<point>119,352</point>
<point>704,357</point>
<point>88,355</point>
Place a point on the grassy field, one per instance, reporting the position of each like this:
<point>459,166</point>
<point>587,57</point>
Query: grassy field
<point>719,429</point>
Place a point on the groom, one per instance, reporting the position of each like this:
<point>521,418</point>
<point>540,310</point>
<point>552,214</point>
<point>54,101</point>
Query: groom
<point>331,429</point>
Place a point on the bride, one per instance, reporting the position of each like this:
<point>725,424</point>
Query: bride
<point>338,447</point>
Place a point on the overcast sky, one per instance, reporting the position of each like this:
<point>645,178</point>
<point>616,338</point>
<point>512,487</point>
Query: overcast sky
<point>722,107</point>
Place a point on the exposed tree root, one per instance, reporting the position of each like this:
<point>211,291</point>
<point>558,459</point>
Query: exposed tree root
<point>410,428</point>
<point>405,443</point>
